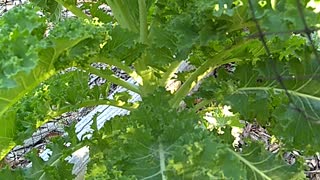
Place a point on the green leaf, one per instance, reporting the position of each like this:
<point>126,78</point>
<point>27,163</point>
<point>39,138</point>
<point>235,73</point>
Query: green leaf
<point>56,166</point>
<point>254,92</point>
<point>122,46</point>
<point>140,142</point>
<point>51,8</point>
<point>63,39</point>
<point>285,17</point>
<point>21,40</point>
<point>8,97</point>
<point>8,173</point>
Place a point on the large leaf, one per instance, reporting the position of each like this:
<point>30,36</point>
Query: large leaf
<point>290,111</point>
<point>27,69</point>
<point>20,41</point>
<point>156,142</point>
<point>296,118</point>
<point>261,164</point>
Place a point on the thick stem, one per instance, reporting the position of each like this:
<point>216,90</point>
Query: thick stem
<point>115,62</point>
<point>219,59</point>
<point>141,64</point>
<point>143,21</point>
<point>170,72</point>
<point>198,75</point>
<point>115,80</point>
<point>195,77</point>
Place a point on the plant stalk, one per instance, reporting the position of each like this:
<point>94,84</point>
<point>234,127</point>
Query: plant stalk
<point>120,65</point>
<point>197,76</point>
<point>143,21</point>
<point>219,59</point>
<point>201,104</point>
<point>141,65</point>
<point>162,161</point>
<point>115,80</point>
<point>170,72</point>
<point>72,8</point>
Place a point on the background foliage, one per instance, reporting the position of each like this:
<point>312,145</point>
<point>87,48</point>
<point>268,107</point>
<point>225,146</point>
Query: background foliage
<point>271,45</point>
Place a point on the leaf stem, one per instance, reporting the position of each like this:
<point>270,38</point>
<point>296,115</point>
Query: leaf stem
<point>72,8</point>
<point>201,104</point>
<point>195,77</point>
<point>170,72</point>
<point>162,160</point>
<point>219,59</point>
<point>115,80</point>
<point>199,74</point>
<point>120,65</point>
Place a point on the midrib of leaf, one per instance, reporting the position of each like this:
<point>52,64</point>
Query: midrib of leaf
<point>307,96</point>
<point>249,164</point>
<point>162,160</point>
<point>275,168</point>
